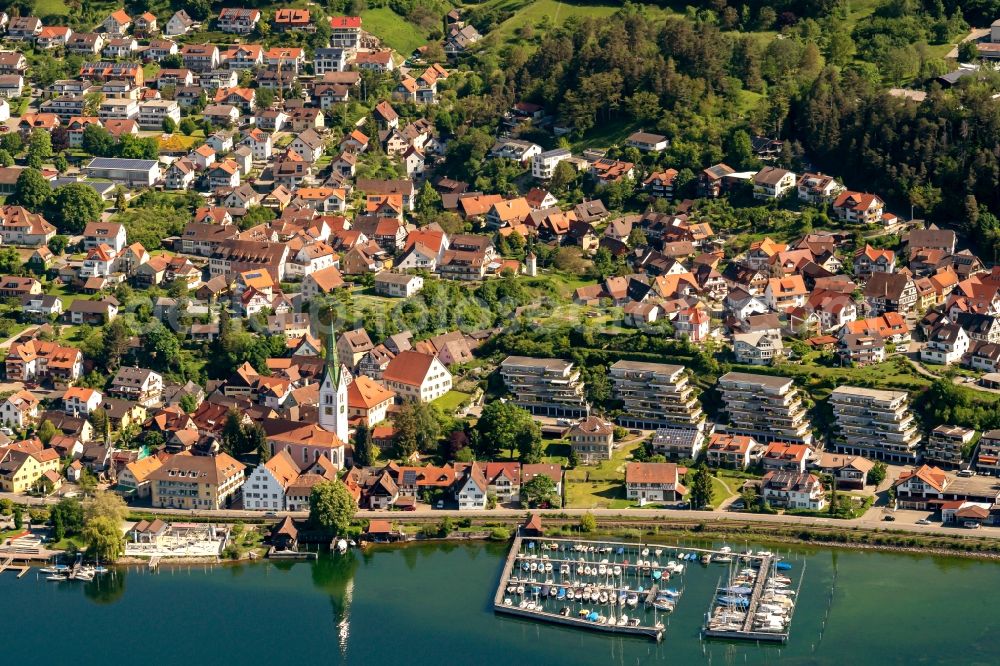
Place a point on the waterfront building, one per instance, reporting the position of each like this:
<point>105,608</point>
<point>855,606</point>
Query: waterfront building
<point>876,424</point>
<point>592,439</point>
<point>185,481</point>
<point>764,407</point>
<point>653,482</point>
<point>545,386</point>
<point>946,443</point>
<point>656,395</point>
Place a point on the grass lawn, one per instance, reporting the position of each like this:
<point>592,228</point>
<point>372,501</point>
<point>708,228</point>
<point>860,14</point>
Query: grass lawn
<point>394,30</point>
<point>67,542</point>
<point>599,486</point>
<point>451,400</point>
<point>51,7</point>
<point>563,284</point>
<point>64,294</point>
<point>556,452</point>
<point>607,134</point>
<point>720,491</point>
<point>555,13</point>
<point>69,334</point>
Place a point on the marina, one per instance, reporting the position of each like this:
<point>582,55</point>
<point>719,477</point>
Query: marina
<point>631,588</point>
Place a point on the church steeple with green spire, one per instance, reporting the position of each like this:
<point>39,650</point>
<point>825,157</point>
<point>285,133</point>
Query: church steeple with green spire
<point>332,357</point>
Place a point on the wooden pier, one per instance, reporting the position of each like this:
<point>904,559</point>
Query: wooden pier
<point>569,621</point>
<point>758,590</point>
<point>655,632</point>
<point>746,631</point>
<point>8,564</point>
<point>764,562</point>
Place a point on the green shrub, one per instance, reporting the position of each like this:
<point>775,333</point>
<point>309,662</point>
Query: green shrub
<point>499,534</point>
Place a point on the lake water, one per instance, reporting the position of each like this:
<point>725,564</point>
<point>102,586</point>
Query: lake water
<point>431,604</point>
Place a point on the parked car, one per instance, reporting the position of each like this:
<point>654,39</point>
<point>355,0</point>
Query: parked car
<point>923,521</point>
<point>889,518</point>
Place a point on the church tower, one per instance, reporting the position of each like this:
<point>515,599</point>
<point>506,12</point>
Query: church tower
<point>333,393</point>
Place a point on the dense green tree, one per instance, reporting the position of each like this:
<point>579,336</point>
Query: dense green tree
<point>701,487</point>
<point>31,190</point>
<point>255,216</point>
<point>331,507</point>
<point>105,504</point>
<point>71,207</point>
<point>877,474</point>
<point>162,348</point>
<point>364,447</point>
<point>104,539</point>
<point>40,144</point>
<point>540,490</point>
<point>46,431</point>
<point>67,518</point>
<point>98,141</point>
<point>503,426</point>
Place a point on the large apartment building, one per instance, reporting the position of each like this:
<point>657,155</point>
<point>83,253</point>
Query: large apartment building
<point>765,407</point>
<point>876,424</point>
<point>988,458</point>
<point>545,386</point>
<point>945,445</point>
<point>185,481</point>
<point>656,395</point>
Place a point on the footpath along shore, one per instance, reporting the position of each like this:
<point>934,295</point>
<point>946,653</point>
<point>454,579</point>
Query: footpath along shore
<point>871,521</point>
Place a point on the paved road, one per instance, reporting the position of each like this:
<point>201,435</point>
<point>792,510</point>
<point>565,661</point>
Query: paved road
<point>873,520</point>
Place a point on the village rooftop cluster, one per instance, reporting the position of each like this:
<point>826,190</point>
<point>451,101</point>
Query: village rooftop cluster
<point>336,228</point>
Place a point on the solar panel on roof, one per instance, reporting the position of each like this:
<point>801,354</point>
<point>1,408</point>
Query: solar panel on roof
<point>121,163</point>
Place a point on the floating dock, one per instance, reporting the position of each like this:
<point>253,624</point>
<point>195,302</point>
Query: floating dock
<point>746,630</point>
<point>636,573</point>
<point>654,632</point>
<point>632,565</point>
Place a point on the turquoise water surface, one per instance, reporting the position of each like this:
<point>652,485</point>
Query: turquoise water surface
<point>431,604</point>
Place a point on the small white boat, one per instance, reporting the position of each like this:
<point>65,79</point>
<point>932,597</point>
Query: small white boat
<point>603,597</point>
<point>602,569</point>
<point>645,552</point>
<point>507,602</point>
<point>57,577</point>
<point>616,570</point>
<point>548,567</point>
<point>520,589</point>
<point>341,546</point>
<point>623,621</point>
<point>632,600</point>
<point>570,595</point>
